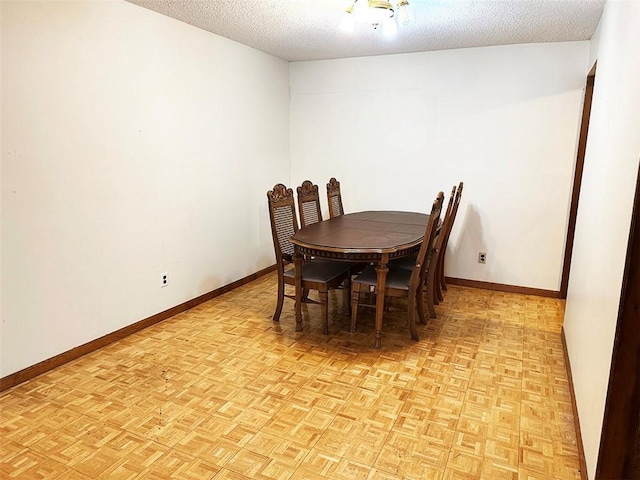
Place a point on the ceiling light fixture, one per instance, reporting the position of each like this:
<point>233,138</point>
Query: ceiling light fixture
<point>378,13</point>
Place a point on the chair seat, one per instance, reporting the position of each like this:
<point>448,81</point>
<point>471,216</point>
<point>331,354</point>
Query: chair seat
<point>407,262</point>
<point>320,271</point>
<point>397,278</point>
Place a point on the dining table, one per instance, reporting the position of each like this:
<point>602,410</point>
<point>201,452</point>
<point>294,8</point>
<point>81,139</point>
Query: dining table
<point>373,237</point>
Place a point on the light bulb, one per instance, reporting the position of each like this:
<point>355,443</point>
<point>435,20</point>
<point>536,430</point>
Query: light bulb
<point>405,13</point>
<point>347,23</point>
<point>389,28</point>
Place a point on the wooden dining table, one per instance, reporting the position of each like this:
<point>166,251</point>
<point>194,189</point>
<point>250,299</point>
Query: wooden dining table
<point>371,236</point>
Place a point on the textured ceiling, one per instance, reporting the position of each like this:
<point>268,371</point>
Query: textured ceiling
<point>296,30</point>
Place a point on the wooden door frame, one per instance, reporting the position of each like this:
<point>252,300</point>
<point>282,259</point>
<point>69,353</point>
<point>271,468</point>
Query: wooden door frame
<point>577,181</point>
<point>619,455</point>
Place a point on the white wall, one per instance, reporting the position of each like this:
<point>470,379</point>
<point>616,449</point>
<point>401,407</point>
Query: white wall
<point>397,129</point>
<point>604,213</point>
<point>133,144</point>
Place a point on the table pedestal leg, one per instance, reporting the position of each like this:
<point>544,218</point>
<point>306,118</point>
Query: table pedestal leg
<point>297,261</point>
<point>381,271</point>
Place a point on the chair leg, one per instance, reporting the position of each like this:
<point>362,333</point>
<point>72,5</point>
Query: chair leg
<point>437,292</point>
<point>443,283</point>
<point>324,306</point>
<point>420,306</point>
<point>355,298</point>
<point>346,296</point>
<point>436,285</point>
<point>280,298</point>
<point>305,296</point>
<point>411,313</point>
<point>430,293</point>
<point>427,285</point>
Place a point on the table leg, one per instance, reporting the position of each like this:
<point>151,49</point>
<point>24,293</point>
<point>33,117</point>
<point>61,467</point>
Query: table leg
<point>381,273</point>
<point>297,262</point>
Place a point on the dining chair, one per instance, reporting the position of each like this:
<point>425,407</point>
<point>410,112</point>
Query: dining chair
<point>401,282</point>
<point>434,274</point>
<point>320,276</point>
<point>308,204</point>
<point>309,213</point>
<point>440,265</point>
<point>432,280</point>
<point>334,198</point>
<point>446,226</point>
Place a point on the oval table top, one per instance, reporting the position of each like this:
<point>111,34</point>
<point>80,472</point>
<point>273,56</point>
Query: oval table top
<point>364,232</point>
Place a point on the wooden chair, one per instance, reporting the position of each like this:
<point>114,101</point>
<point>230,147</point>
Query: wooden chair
<point>440,265</point>
<point>446,225</point>
<point>320,276</point>
<point>401,282</point>
<point>334,198</point>
<point>308,204</point>
<point>434,277</point>
<point>309,212</point>
<point>432,280</point>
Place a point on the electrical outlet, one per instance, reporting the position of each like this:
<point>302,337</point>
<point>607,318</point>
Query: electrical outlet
<point>164,278</point>
<point>482,257</point>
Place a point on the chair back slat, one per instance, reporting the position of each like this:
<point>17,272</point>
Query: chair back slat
<point>309,212</point>
<point>334,198</point>
<point>283,217</point>
<point>456,204</point>
<point>308,204</point>
<point>283,221</point>
<point>452,197</point>
<point>452,210</point>
<point>447,222</point>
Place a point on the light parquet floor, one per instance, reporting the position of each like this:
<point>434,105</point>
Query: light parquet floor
<point>221,392</point>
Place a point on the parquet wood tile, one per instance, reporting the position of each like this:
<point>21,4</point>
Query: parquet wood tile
<point>322,465</point>
<point>32,465</point>
<point>222,392</point>
<point>410,457</point>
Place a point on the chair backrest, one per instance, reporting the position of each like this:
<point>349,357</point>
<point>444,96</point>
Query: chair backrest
<point>334,198</point>
<point>283,221</point>
<point>446,229</point>
<point>427,243</point>
<point>452,197</point>
<point>308,204</point>
<point>447,221</point>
